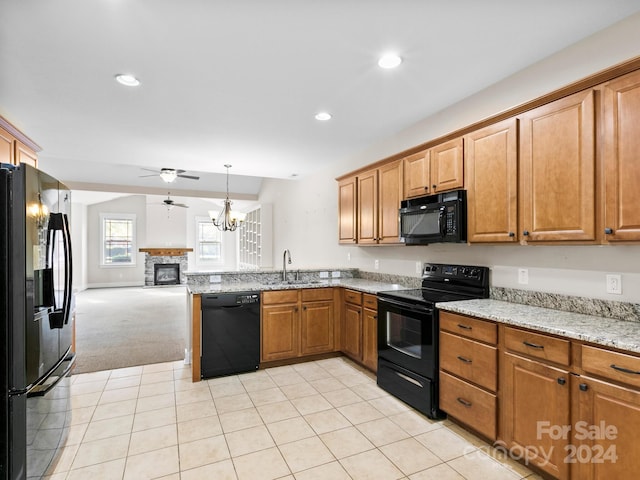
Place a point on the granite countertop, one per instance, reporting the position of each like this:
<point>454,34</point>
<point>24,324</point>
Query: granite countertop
<point>609,332</point>
<point>360,284</point>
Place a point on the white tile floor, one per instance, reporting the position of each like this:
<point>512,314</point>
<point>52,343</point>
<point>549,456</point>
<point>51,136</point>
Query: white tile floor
<point>318,420</point>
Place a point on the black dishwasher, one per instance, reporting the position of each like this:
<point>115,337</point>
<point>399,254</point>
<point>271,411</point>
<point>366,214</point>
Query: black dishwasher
<point>230,333</point>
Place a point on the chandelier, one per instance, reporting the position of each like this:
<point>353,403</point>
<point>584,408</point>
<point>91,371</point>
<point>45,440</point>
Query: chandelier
<point>226,220</point>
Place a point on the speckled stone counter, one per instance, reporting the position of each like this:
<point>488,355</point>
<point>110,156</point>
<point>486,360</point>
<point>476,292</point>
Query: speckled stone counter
<point>604,331</point>
<point>360,284</point>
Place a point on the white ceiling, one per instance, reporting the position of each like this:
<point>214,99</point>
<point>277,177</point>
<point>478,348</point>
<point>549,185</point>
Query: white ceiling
<point>239,82</point>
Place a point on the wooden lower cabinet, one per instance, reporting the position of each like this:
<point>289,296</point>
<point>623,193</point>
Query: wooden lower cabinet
<point>370,332</point>
<point>296,323</point>
<point>279,332</point>
<point>316,333</point>
<point>535,402</point>
<point>352,331</point>
<point>606,422</point>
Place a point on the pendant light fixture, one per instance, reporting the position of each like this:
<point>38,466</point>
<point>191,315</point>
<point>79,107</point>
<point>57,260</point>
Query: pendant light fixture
<point>226,220</point>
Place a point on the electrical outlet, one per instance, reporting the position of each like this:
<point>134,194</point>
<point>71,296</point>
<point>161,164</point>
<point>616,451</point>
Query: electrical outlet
<point>324,274</point>
<point>418,268</point>
<point>215,278</point>
<point>523,276</point>
<point>335,274</point>
<point>376,264</point>
<point>348,257</point>
<point>614,284</point>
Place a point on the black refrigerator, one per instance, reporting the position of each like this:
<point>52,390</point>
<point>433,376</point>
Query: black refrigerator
<point>36,320</point>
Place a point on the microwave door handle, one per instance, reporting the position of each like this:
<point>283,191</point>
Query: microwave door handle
<point>441,222</point>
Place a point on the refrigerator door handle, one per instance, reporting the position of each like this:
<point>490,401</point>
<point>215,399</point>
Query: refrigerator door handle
<point>59,222</point>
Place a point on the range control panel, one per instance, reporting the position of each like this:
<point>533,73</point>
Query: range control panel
<point>466,272</point>
<point>244,299</point>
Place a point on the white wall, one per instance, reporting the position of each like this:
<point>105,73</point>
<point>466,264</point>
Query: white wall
<point>305,210</point>
<point>78,228</point>
<point>98,276</point>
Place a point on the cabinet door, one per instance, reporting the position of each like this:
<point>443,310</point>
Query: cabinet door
<point>368,207</point>
<point>389,196</point>
<point>370,339</point>
<point>491,179</point>
<point>447,166</point>
<point>606,421</point>
<point>557,143</point>
<point>535,397</point>
<point>352,331</point>
<point>416,175</point>
<point>25,155</point>
<point>347,210</point>
<point>279,332</point>
<point>316,328</point>
<point>6,147</point>
<point>622,168</point>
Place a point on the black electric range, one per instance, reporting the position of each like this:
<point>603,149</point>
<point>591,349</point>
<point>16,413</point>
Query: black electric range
<point>408,324</point>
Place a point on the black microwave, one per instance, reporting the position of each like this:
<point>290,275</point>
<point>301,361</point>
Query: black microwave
<point>434,219</point>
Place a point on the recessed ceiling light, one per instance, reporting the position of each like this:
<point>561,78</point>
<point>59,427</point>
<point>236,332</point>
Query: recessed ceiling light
<point>389,60</point>
<point>323,116</point>
<point>127,80</point>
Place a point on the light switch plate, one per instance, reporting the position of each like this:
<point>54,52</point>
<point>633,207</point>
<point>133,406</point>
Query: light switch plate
<point>376,264</point>
<point>335,274</point>
<point>215,278</point>
<point>614,284</point>
<point>324,274</point>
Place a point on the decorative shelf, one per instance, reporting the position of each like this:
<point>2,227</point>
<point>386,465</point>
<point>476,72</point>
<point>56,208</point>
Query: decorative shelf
<point>166,251</point>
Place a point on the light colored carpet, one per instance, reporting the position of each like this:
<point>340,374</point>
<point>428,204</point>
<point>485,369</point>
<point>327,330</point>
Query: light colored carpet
<point>125,327</point>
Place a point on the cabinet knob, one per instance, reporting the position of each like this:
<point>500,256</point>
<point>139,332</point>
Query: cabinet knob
<point>562,381</point>
<point>525,233</point>
<point>608,231</point>
<point>295,309</point>
<point>583,387</point>
<point>304,308</point>
<point>426,187</point>
<point>433,186</point>
<point>511,234</point>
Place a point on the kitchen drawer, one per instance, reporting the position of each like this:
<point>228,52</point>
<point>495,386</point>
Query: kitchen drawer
<point>469,327</point>
<point>471,360</point>
<point>370,301</point>
<point>352,296</point>
<point>468,404</point>
<point>538,345</point>
<point>279,296</point>
<point>317,294</point>
<point>612,365</point>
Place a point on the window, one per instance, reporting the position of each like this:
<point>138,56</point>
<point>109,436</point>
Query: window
<point>208,241</point>
<point>118,239</point>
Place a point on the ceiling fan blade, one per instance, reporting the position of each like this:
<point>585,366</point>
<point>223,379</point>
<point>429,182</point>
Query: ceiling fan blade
<point>191,177</point>
<point>150,170</point>
<point>180,205</point>
<point>144,176</point>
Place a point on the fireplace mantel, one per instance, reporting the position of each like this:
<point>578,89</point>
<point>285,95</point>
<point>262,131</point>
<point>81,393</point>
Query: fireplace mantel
<point>166,251</point>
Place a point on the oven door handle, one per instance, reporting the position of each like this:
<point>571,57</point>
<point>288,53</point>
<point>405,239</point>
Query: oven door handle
<point>407,306</point>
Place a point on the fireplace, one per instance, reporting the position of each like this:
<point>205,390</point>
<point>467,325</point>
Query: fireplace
<point>166,274</point>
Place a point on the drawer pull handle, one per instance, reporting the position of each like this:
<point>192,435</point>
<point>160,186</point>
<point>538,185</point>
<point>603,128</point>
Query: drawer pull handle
<point>465,360</point>
<point>625,370</point>
<point>583,387</point>
<point>465,327</point>
<point>464,402</point>
<point>561,381</point>
<point>409,379</point>
<point>533,345</point>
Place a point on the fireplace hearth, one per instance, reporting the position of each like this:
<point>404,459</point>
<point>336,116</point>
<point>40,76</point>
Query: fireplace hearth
<point>166,274</point>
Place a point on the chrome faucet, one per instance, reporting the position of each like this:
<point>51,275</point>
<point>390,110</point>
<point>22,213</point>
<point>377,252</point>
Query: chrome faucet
<point>286,254</point>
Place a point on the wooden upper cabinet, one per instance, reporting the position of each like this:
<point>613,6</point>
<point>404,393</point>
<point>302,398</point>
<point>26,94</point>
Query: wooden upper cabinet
<point>24,154</point>
<point>389,197</point>
<point>6,147</point>
<point>621,161</point>
<point>557,160</point>
<point>347,219</point>
<point>379,196</point>
<point>436,170</point>
<point>447,166</point>
<point>491,180</point>
<point>417,175</point>
<point>368,207</point>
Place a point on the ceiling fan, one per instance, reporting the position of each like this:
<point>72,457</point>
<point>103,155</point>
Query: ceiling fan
<point>169,174</point>
<point>170,203</point>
